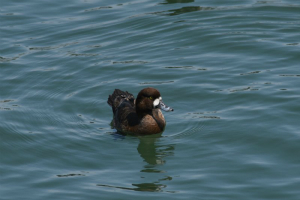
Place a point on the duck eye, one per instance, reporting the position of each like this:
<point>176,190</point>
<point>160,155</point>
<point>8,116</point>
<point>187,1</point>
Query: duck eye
<point>151,98</point>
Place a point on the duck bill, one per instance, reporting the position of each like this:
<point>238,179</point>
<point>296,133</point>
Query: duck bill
<point>164,107</point>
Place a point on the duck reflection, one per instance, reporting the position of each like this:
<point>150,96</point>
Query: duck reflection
<point>154,153</point>
<point>188,9</point>
<point>184,10</point>
<point>177,1</point>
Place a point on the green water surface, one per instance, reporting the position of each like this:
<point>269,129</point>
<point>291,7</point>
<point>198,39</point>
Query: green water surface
<point>230,70</point>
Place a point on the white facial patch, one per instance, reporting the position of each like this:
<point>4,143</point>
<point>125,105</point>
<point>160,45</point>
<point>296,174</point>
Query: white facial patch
<point>155,102</point>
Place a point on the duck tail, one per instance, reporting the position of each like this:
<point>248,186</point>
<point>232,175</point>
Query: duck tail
<point>111,98</point>
<point>117,97</point>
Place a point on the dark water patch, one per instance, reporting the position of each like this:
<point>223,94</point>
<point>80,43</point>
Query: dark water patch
<point>205,115</point>
<point>243,89</point>
<point>5,108</point>
<point>180,67</point>
<point>292,44</point>
<point>70,175</point>
<point>6,101</point>
<point>240,89</point>
<point>186,68</point>
<point>82,54</point>
<point>98,8</point>
<point>254,72</point>
<point>47,48</point>
<point>7,105</point>
<point>156,82</point>
<point>290,75</point>
<point>9,59</point>
<point>130,61</point>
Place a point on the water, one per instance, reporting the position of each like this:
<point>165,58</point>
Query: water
<point>230,69</point>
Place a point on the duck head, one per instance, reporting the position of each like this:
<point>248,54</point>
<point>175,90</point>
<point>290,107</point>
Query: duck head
<point>149,99</point>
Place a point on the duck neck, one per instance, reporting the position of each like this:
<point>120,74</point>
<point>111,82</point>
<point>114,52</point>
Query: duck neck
<point>142,113</point>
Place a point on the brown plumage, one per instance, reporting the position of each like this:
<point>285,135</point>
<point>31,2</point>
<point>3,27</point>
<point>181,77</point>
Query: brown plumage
<point>141,116</point>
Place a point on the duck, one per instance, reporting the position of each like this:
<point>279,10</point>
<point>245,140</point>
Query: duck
<point>140,116</point>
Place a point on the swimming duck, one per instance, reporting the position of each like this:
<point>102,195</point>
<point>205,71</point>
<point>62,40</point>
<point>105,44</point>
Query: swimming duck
<point>140,116</point>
